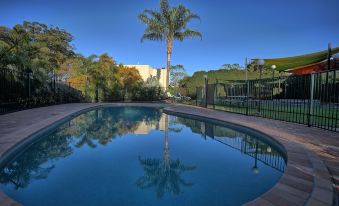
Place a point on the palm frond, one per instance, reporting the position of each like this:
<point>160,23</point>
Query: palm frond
<point>152,36</point>
<point>144,18</point>
<point>164,8</point>
<point>188,33</point>
<point>156,15</point>
<point>191,16</point>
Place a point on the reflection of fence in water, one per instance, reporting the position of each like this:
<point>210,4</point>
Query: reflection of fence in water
<point>250,146</point>
<point>263,152</point>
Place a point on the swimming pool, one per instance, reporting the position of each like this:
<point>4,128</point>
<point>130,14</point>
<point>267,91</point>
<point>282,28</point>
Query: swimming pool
<point>142,156</point>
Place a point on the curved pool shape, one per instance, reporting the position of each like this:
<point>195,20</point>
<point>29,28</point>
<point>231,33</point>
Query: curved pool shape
<point>141,156</point>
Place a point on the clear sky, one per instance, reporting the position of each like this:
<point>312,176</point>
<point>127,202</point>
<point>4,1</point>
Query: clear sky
<point>232,29</point>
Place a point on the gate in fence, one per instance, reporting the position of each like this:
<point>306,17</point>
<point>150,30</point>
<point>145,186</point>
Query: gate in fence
<point>309,99</point>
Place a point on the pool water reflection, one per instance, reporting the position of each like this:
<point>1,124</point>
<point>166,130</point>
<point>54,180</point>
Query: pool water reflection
<point>142,156</point>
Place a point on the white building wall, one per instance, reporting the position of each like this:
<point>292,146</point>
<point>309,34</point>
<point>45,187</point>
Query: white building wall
<point>147,71</point>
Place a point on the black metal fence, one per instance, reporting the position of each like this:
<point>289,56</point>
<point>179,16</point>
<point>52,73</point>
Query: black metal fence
<point>309,99</point>
<point>21,90</point>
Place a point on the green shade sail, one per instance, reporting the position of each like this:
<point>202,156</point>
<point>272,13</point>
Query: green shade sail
<point>283,64</point>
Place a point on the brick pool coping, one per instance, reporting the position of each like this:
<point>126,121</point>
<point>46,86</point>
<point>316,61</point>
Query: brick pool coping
<point>313,154</point>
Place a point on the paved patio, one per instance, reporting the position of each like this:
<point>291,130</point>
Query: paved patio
<point>313,154</point>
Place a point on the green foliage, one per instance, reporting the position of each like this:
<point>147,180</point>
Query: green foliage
<point>197,79</point>
<point>41,50</point>
<point>47,53</point>
<point>101,78</point>
<point>34,46</point>
<point>231,67</point>
<point>168,24</point>
<point>144,93</point>
<point>177,73</point>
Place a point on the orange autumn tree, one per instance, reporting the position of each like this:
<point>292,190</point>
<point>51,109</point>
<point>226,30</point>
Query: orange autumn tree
<point>73,71</point>
<point>93,75</point>
<point>128,76</point>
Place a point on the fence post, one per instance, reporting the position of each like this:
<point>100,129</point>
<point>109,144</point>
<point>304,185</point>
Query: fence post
<point>28,85</point>
<point>196,97</point>
<point>311,103</point>
<point>247,93</point>
<point>54,82</point>
<point>215,93</point>
<point>206,92</point>
<point>97,93</point>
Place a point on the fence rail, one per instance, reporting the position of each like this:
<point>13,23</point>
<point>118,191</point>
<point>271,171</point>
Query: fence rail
<point>312,99</point>
<point>20,90</point>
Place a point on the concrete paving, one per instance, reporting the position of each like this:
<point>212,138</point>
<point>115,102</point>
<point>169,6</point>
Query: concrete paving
<point>310,178</point>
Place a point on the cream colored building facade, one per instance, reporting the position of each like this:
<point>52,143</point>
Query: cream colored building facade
<point>146,71</point>
<point>147,127</point>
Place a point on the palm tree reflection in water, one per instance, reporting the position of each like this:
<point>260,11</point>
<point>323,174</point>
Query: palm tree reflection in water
<point>164,174</point>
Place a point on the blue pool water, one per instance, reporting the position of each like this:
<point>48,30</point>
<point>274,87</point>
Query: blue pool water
<point>141,156</point>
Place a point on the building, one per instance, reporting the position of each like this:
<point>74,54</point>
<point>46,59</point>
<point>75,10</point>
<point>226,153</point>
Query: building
<point>145,127</point>
<point>146,72</point>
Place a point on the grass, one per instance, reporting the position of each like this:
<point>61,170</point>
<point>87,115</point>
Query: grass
<point>323,116</point>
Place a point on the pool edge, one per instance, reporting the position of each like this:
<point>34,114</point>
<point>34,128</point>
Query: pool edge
<point>280,194</point>
<point>297,173</point>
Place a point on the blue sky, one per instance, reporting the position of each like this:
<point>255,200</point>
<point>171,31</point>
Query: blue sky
<point>232,29</point>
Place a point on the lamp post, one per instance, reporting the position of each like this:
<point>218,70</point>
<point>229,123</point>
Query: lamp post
<point>255,168</point>
<point>206,84</point>
<point>260,64</point>
<point>273,67</point>
<point>329,52</point>
<point>246,75</point>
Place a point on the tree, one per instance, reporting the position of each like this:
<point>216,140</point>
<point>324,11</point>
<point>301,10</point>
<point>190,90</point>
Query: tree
<point>166,174</point>
<point>232,67</point>
<point>177,73</point>
<point>168,24</point>
<point>34,46</point>
<point>13,41</point>
<point>128,76</point>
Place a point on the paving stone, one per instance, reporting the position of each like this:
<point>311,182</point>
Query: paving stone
<point>314,202</point>
<point>259,202</point>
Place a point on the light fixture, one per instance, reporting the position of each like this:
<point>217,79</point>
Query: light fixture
<point>260,62</point>
<point>255,170</point>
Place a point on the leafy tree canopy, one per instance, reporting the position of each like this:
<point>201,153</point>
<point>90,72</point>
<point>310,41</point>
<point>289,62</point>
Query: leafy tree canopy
<point>34,45</point>
<point>177,73</point>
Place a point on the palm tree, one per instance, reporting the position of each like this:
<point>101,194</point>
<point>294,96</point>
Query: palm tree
<point>166,174</point>
<point>168,24</point>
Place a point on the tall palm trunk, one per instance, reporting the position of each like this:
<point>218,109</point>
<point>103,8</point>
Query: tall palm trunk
<point>166,148</point>
<point>168,65</point>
